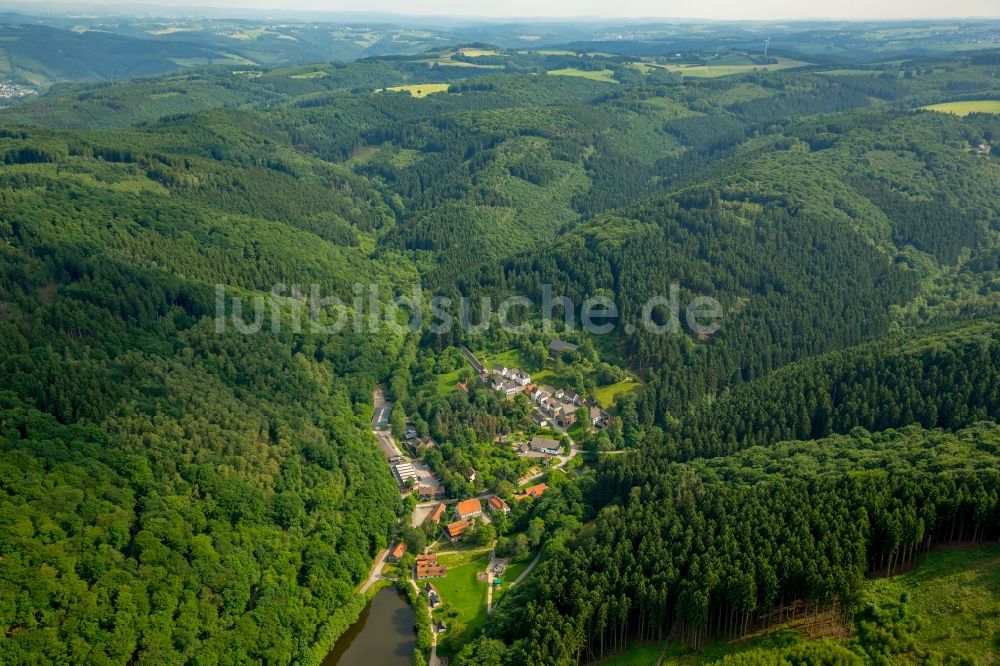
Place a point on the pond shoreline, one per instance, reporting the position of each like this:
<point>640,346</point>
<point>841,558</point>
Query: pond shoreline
<point>384,633</point>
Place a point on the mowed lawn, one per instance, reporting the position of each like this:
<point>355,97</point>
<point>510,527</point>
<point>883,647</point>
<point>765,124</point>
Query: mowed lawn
<point>461,591</point>
<point>966,107</point>
<point>605,75</point>
<point>420,89</point>
<point>955,593</point>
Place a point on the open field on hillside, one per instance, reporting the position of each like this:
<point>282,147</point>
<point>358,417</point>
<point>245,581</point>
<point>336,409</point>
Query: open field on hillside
<point>712,71</point>
<point>477,53</point>
<point>310,75</point>
<point>420,89</point>
<point>606,395</point>
<point>966,107</point>
<point>594,75</point>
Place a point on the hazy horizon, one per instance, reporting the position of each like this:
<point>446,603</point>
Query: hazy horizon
<point>718,10</point>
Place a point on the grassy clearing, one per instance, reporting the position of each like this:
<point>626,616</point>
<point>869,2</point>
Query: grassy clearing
<point>966,107</point>
<point>510,574</point>
<point>419,90</point>
<point>448,62</point>
<point>648,654</point>
<point>851,72</point>
<point>463,595</point>
<point>512,358</point>
<point>310,75</point>
<point>606,394</point>
<point>604,75</point>
<point>713,71</point>
<point>461,553</point>
<point>477,53</point>
<point>955,595</point>
<point>578,430</point>
<point>447,381</point>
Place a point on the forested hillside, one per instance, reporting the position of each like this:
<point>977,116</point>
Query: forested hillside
<point>710,546</point>
<point>173,493</point>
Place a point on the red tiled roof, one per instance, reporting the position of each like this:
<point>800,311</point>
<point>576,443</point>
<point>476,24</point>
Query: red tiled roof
<point>429,558</point>
<point>469,507</point>
<point>435,515</point>
<point>398,551</point>
<point>497,503</point>
<point>533,491</point>
<point>457,528</point>
<point>430,570</point>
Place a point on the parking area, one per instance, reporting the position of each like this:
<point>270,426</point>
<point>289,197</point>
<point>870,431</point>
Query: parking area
<point>383,407</point>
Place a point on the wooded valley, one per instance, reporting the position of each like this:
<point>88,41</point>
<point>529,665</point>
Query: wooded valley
<point>173,493</point>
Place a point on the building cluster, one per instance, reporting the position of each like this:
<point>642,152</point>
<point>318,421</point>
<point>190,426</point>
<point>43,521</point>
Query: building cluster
<point>427,567</point>
<point>465,512</point>
<point>407,473</point>
<point>559,405</point>
<point>509,381</point>
<point>9,90</point>
<point>417,444</point>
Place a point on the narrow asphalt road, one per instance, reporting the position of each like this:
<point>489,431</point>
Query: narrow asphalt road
<point>376,570</point>
<point>527,571</point>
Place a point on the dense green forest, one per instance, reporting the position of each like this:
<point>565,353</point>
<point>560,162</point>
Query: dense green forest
<point>710,546</point>
<point>176,493</point>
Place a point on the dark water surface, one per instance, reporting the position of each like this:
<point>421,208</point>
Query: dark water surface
<point>384,635</point>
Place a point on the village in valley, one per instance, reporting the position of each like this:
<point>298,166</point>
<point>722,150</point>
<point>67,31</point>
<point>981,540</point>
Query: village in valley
<point>470,536</point>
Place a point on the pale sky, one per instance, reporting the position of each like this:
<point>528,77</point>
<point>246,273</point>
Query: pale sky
<point>710,9</point>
